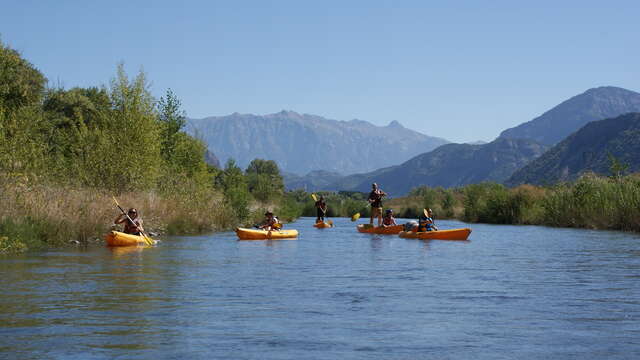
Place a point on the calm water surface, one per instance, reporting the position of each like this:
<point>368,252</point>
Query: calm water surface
<point>511,292</point>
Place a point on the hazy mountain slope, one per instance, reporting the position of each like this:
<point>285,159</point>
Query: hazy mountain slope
<point>303,143</point>
<point>449,166</point>
<point>569,116</point>
<point>312,181</point>
<point>586,150</point>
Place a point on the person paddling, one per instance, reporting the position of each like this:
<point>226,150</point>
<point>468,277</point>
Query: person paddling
<point>375,199</point>
<point>321,209</point>
<point>270,222</point>
<point>388,219</point>
<point>431,221</point>
<point>425,223</point>
<point>133,228</point>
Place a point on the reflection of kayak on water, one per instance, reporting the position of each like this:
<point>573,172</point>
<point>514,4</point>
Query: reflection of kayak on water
<point>253,234</point>
<point>370,229</point>
<point>453,234</point>
<point>117,238</point>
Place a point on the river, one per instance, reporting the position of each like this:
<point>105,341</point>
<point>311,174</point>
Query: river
<point>510,292</point>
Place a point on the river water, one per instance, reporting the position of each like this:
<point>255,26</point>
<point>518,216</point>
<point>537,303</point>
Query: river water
<point>510,292</point>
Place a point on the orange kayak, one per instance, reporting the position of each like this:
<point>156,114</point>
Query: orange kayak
<point>453,234</point>
<point>117,238</point>
<point>322,225</point>
<point>256,234</point>
<point>370,229</point>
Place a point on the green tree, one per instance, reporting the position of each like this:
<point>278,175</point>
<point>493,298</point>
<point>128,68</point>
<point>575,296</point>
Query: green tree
<point>21,84</point>
<point>264,180</point>
<point>617,168</point>
<point>172,119</point>
<point>234,185</point>
<point>130,144</point>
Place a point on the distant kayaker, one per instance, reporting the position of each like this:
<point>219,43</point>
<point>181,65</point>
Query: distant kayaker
<point>375,199</point>
<point>134,228</point>
<point>270,222</point>
<point>431,221</point>
<point>388,219</point>
<point>425,223</point>
<point>321,209</point>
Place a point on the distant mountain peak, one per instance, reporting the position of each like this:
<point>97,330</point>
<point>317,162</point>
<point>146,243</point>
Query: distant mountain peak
<point>301,143</point>
<point>567,117</point>
<point>395,124</point>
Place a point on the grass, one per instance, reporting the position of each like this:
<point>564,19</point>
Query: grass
<point>39,216</point>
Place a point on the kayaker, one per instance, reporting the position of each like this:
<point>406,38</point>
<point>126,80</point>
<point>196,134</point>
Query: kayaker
<point>432,222</point>
<point>375,199</point>
<point>134,228</point>
<point>425,223</point>
<point>321,209</point>
<point>388,219</point>
<point>270,222</point>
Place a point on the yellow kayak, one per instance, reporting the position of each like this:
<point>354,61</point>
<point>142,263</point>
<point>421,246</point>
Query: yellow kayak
<point>322,225</point>
<point>453,234</point>
<point>370,229</point>
<point>257,234</point>
<point>117,238</point>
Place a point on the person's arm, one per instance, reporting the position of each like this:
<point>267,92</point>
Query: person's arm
<point>139,223</point>
<point>394,221</point>
<point>120,219</point>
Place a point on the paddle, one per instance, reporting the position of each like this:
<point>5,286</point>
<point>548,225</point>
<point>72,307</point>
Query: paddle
<point>146,238</point>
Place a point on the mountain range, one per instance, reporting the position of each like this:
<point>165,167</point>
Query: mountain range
<point>301,143</point>
<point>562,120</point>
<point>460,164</point>
<point>449,165</point>
<point>588,149</point>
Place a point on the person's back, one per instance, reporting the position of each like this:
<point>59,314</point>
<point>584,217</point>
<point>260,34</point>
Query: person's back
<point>321,209</point>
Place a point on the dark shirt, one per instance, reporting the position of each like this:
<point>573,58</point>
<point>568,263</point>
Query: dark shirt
<point>376,197</point>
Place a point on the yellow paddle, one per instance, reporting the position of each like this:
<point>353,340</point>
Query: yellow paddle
<point>355,216</point>
<point>314,197</point>
<point>146,238</point>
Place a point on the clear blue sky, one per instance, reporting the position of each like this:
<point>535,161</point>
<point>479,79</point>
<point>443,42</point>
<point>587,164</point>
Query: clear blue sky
<point>462,70</point>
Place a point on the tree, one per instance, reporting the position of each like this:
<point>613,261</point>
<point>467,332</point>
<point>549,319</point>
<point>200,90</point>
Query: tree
<point>264,179</point>
<point>172,120</point>
<point>131,139</point>
<point>616,167</point>
<point>21,84</point>
<point>234,186</point>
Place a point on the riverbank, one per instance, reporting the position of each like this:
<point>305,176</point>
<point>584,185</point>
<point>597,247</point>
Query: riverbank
<point>39,216</point>
<point>591,202</point>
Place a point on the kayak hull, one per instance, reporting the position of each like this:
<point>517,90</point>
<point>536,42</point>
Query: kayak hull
<point>322,225</point>
<point>389,230</point>
<point>257,234</point>
<point>117,238</point>
<point>453,234</point>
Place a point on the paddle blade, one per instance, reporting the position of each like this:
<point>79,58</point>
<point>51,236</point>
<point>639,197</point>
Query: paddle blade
<point>148,240</point>
<point>425,212</point>
<point>355,217</point>
<point>314,197</point>
<point>277,226</point>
